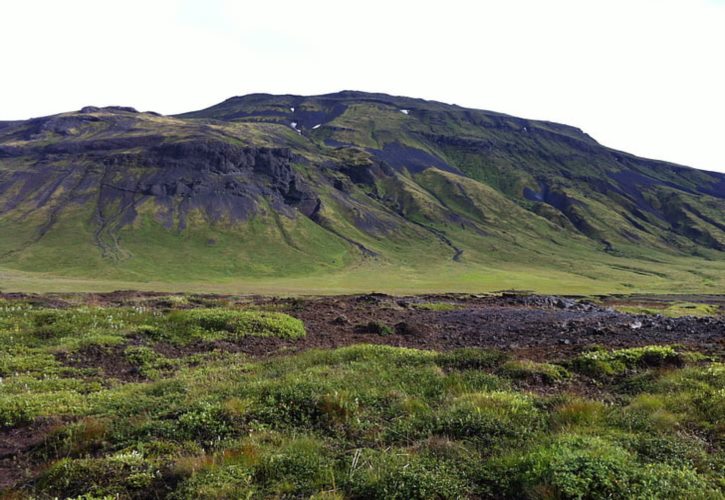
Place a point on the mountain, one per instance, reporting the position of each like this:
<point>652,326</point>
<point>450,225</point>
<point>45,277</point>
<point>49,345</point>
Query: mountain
<point>349,190</point>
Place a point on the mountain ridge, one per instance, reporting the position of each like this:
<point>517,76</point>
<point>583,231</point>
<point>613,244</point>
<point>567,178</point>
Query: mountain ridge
<point>341,181</point>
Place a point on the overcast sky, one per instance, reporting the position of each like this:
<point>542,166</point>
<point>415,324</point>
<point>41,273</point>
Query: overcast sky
<point>644,76</point>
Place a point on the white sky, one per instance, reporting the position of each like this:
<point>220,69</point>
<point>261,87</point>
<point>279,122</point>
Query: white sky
<point>644,76</point>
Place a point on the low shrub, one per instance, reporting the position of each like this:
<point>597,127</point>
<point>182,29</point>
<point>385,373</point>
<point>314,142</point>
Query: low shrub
<point>227,481</point>
<point>124,474</point>
<point>578,412</point>
<point>149,363</point>
<point>647,412</point>
<point>23,360</point>
<point>490,418</point>
<point>603,363</point>
<point>300,466</point>
<point>675,449</point>
<point>531,371</point>
<point>52,324</point>
<point>363,421</point>
<point>236,323</point>
<point>19,409</point>
<point>74,439</point>
<point>206,422</point>
<point>471,359</point>
<point>290,404</point>
<point>152,332</point>
<point>309,405</point>
<point>402,475</point>
<point>575,466</point>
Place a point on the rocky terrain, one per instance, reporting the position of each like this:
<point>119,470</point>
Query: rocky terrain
<point>539,327</point>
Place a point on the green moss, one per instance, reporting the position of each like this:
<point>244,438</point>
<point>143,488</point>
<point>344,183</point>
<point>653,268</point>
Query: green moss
<point>233,323</point>
<point>437,306</point>
<point>600,362</point>
<point>676,310</point>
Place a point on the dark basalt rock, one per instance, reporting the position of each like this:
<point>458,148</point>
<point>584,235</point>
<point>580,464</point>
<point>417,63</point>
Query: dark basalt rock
<point>548,301</point>
<point>415,160</point>
<point>125,109</point>
<point>366,174</point>
<point>220,179</point>
<point>407,328</point>
<point>223,179</point>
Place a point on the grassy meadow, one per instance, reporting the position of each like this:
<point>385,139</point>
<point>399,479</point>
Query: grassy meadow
<point>580,274</point>
<point>146,401</point>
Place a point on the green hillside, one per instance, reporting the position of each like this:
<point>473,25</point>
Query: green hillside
<point>342,192</point>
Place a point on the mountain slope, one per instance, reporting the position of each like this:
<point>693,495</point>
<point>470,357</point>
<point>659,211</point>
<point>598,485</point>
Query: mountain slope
<point>346,185</point>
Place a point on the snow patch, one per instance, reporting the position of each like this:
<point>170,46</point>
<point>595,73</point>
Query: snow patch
<point>292,109</point>
<point>317,126</point>
<point>405,111</point>
<point>294,126</point>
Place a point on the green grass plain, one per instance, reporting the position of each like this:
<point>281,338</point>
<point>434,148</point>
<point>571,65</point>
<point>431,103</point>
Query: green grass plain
<point>395,279</point>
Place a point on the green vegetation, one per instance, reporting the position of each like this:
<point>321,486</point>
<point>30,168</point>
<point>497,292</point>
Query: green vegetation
<point>526,370</point>
<point>206,323</point>
<point>436,306</point>
<point>439,199</point>
<point>581,466</point>
<point>601,362</point>
<point>377,327</point>
<point>197,420</point>
<point>41,349</point>
<point>675,310</point>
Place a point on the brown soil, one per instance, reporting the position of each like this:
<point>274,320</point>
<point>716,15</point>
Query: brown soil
<point>108,359</point>
<point>531,326</point>
<point>15,447</point>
